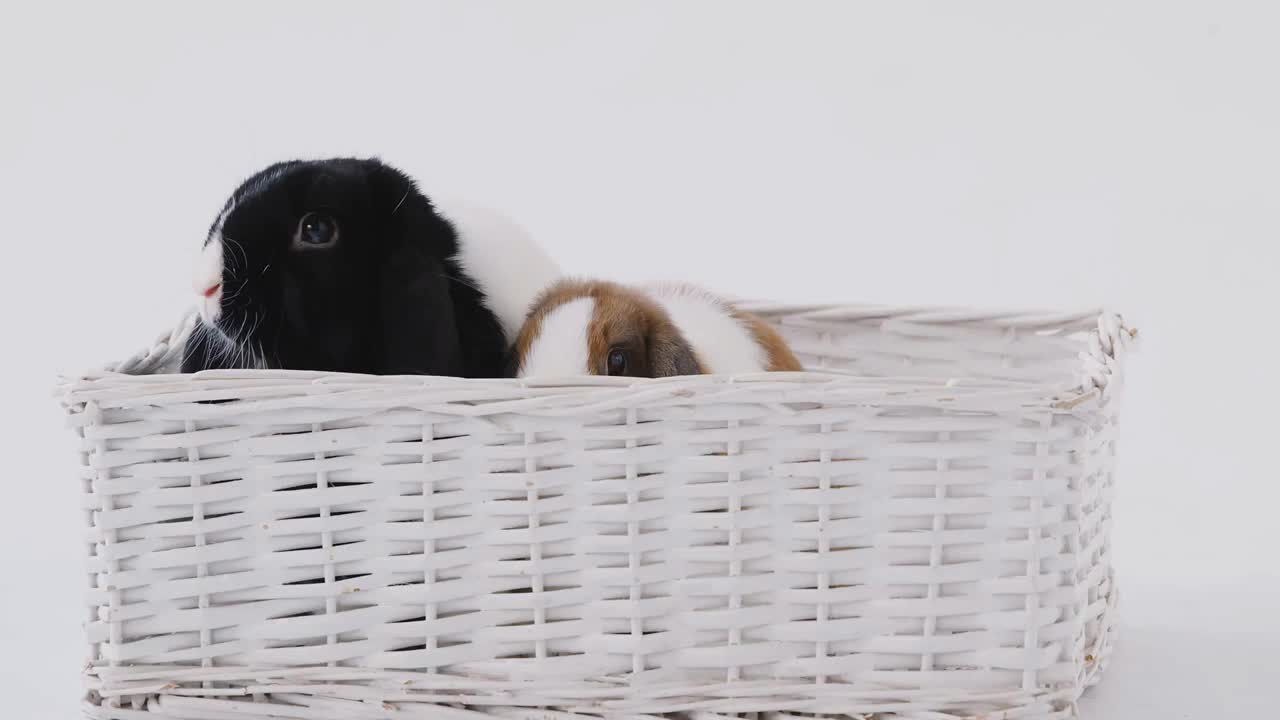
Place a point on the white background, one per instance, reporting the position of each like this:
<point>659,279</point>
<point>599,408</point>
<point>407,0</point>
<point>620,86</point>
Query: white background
<point>1027,154</point>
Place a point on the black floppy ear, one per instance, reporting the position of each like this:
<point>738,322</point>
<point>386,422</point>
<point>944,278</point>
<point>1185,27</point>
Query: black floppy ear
<point>670,354</point>
<point>416,317</point>
<point>448,329</point>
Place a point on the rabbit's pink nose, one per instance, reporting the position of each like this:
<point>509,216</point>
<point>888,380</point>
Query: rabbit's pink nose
<point>209,291</point>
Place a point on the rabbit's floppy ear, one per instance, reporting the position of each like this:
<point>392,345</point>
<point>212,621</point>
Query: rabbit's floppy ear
<point>670,354</point>
<point>419,332</point>
<point>416,315</point>
<point>435,318</point>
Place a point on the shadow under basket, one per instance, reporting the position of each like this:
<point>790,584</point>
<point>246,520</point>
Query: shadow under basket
<point>918,529</point>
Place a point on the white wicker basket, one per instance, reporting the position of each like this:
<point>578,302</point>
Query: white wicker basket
<point>922,537</point>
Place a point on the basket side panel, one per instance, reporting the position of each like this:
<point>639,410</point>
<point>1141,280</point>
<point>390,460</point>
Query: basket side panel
<point>845,558</point>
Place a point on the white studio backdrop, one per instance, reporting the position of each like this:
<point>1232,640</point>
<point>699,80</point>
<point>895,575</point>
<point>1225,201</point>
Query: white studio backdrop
<point>1011,154</point>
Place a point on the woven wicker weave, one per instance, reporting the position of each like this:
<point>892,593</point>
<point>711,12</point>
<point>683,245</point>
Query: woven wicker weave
<point>918,531</point>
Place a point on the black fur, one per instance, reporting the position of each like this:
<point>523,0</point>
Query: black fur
<point>387,297</point>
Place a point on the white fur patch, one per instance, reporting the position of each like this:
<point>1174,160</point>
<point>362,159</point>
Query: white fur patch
<point>560,350</point>
<point>724,345</point>
<point>505,262</point>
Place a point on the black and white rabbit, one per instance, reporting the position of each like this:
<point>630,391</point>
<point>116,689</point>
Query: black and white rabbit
<point>343,265</point>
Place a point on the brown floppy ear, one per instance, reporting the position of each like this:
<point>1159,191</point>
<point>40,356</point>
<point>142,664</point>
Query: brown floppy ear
<point>670,354</point>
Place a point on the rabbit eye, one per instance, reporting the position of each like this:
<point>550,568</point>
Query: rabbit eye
<point>316,230</point>
<point>617,361</point>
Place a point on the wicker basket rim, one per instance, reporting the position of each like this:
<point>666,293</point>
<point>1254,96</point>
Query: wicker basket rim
<point>1108,337</point>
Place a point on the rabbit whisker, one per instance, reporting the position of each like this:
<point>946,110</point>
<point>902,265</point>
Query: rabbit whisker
<point>246,345</point>
<point>201,333</point>
<point>236,293</point>
<point>460,282</point>
<point>250,342</point>
<point>406,197</point>
<point>244,256</point>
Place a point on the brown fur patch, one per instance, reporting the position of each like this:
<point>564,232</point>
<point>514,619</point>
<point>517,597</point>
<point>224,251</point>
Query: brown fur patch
<point>621,318</point>
<point>779,355</point>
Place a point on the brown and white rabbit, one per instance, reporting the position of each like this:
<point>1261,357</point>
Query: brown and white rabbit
<point>602,328</point>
